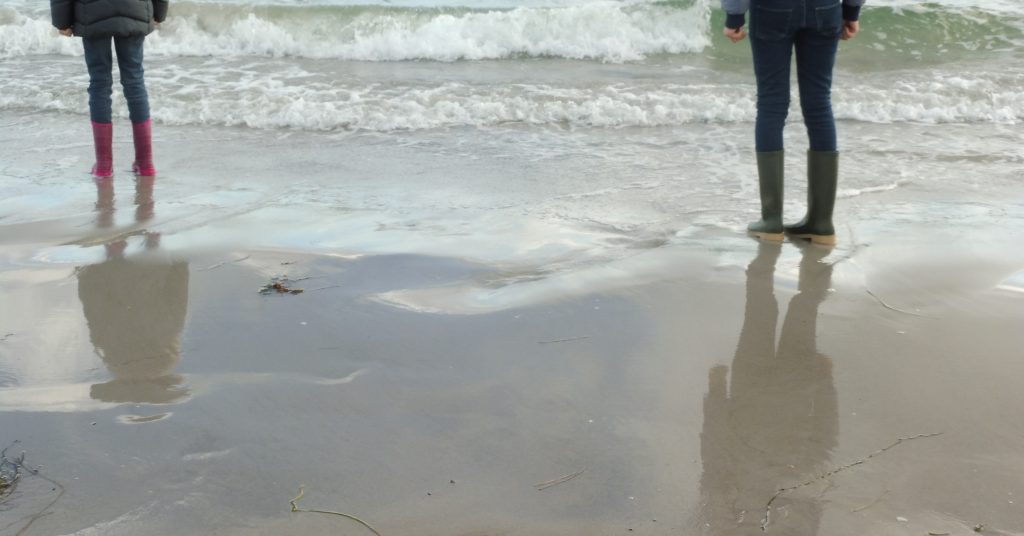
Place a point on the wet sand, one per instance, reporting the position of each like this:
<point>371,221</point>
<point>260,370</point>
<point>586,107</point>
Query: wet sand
<point>683,386</point>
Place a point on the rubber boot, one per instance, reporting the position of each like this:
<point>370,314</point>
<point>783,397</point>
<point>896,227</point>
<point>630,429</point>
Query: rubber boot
<point>770,172</point>
<point>142,135</point>
<point>103,139</point>
<point>822,176</point>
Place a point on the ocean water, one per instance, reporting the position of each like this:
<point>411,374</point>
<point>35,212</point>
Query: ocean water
<point>404,65</point>
<point>552,136</point>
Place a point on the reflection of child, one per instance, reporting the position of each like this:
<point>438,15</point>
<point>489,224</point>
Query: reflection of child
<point>135,308</point>
<point>126,23</point>
<point>774,417</point>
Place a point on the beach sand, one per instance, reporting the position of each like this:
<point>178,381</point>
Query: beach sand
<point>681,383</point>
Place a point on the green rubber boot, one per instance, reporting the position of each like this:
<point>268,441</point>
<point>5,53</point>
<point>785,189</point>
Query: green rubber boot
<point>770,172</point>
<point>822,176</point>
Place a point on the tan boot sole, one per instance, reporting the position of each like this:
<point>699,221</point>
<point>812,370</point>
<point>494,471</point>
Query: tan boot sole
<point>827,240</point>
<point>771,237</point>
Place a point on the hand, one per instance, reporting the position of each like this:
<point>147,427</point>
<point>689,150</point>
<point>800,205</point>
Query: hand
<point>735,34</point>
<point>850,29</point>
<point>67,32</point>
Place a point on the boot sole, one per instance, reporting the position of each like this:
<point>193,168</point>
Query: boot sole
<point>139,172</point>
<point>771,237</point>
<point>827,240</point>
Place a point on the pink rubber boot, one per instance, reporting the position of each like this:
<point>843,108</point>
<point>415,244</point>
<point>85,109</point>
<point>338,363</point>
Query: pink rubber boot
<point>103,138</point>
<point>142,134</point>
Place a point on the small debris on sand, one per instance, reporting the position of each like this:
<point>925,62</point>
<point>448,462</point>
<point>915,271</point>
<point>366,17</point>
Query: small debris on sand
<point>545,485</point>
<point>10,473</point>
<point>768,507</point>
<point>279,285</point>
<point>302,492</point>
<point>571,339</point>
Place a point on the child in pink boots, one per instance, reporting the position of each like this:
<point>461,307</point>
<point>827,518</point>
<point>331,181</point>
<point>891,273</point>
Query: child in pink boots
<point>126,23</point>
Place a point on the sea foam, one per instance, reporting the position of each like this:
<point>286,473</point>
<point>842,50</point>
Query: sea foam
<point>606,31</point>
<point>268,102</point>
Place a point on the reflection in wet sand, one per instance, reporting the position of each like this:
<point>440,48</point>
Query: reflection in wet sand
<point>773,422</point>
<point>135,307</point>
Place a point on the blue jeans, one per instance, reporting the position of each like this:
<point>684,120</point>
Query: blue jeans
<point>101,80</point>
<point>812,28</point>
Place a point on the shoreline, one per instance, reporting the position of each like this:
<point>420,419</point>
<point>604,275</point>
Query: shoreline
<point>688,374</point>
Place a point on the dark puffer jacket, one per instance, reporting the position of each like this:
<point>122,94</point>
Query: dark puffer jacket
<point>105,18</point>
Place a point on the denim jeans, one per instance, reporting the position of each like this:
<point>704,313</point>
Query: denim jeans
<point>101,80</point>
<point>812,28</point>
